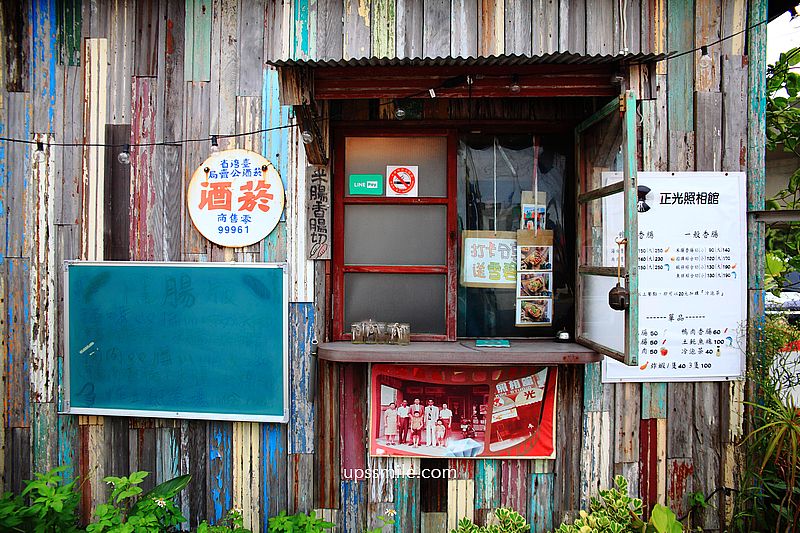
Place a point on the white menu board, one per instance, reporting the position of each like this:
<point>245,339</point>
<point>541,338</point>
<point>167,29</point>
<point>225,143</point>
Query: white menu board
<point>692,277</point>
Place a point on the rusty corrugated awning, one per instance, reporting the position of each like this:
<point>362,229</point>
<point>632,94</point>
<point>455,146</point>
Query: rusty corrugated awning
<point>557,74</point>
<point>512,60</point>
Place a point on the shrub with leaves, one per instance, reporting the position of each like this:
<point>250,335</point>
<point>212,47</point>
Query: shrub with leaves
<point>508,521</point>
<point>53,505</point>
<point>616,512</point>
<point>465,525</point>
<point>129,510</point>
<point>613,512</point>
<point>296,523</point>
<point>232,522</point>
<point>387,520</point>
<point>783,133</point>
<point>769,495</point>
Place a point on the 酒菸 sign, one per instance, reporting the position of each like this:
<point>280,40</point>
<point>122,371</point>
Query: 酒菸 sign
<point>235,198</point>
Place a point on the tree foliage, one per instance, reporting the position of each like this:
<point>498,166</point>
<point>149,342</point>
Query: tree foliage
<point>783,133</point>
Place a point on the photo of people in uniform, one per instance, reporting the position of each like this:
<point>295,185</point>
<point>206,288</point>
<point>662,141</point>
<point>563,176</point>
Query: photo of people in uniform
<point>422,411</point>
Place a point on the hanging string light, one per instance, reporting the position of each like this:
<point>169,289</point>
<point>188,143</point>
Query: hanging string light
<point>400,113</point>
<point>39,155</point>
<point>124,156</point>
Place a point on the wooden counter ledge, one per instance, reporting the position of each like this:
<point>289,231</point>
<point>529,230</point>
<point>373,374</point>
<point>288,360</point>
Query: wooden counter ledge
<point>528,352</point>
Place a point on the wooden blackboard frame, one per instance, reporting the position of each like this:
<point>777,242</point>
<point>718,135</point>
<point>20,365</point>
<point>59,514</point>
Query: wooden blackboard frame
<point>189,415</point>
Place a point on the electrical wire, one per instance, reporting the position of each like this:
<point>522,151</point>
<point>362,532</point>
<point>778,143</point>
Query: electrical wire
<point>455,81</point>
<point>723,39</point>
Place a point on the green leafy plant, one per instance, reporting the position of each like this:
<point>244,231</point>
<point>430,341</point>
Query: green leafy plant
<point>465,525</point>
<point>298,523</point>
<point>129,510</point>
<point>232,522</point>
<point>662,520</point>
<point>783,133</point>
<point>616,512</point>
<point>53,505</point>
<point>769,495</point>
<point>384,521</point>
<point>508,521</point>
<point>697,500</point>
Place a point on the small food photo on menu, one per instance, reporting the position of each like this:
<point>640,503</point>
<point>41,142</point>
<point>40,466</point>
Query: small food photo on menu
<point>535,258</point>
<point>534,312</point>
<point>535,284</point>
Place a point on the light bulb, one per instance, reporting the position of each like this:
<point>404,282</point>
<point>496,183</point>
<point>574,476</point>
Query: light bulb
<point>705,59</point>
<point>307,137</point>
<point>39,155</point>
<point>400,113</point>
<point>124,156</point>
<point>214,145</point>
<point>514,87</point>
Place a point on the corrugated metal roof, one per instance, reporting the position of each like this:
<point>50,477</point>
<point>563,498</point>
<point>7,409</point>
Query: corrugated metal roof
<point>558,58</point>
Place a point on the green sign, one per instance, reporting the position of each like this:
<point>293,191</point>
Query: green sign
<point>366,184</point>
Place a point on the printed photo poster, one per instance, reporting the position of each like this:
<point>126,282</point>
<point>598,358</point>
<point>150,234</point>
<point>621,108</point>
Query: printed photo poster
<point>533,210</point>
<point>534,278</point>
<point>488,259</point>
<point>692,276</point>
<point>465,412</point>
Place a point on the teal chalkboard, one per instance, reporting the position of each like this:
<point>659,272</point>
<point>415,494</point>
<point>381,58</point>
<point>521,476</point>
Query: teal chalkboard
<point>177,340</point>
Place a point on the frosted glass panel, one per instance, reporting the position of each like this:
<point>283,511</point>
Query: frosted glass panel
<point>395,234</point>
<point>418,299</point>
<point>600,323</point>
<point>371,155</point>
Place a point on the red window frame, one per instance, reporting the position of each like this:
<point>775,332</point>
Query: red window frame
<point>450,268</point>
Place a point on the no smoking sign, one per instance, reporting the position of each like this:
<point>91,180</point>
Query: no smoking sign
<point>401,180</point>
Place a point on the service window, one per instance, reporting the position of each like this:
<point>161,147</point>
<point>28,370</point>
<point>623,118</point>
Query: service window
<point>499,177</point>
<point>403,257</point>
<point>476,235</point>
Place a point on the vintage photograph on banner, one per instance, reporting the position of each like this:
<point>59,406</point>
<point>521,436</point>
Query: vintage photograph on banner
<point>466,412</point>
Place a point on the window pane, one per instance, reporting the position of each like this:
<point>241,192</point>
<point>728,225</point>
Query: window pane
<point>395,234</point>
<point>418,299</point>
<point>488,203</point>
<point>371,155</point>
<point>602,151</point>
<point>603,222</point>
<point>601,324</point>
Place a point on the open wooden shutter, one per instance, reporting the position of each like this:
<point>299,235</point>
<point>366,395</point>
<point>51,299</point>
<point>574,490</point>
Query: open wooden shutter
<point>607,201</point>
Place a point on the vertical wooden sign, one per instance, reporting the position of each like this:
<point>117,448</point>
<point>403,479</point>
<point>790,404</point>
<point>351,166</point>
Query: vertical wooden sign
<point>318,212</point>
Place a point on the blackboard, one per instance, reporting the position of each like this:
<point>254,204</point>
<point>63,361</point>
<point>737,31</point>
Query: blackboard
<point>177,340</point>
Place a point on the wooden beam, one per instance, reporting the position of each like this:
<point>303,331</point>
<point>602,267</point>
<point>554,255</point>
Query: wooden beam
<point>308,120</point>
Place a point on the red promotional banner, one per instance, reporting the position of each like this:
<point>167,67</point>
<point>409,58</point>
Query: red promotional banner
<point>477,412</point>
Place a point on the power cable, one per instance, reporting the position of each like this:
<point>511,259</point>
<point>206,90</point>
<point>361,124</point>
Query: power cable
<point>449,83</point>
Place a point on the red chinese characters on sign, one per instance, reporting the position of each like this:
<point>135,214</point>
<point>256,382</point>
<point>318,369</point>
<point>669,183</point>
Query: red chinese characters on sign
<point>215,195</point>
<point>219,196</point>
<point>255,197</point>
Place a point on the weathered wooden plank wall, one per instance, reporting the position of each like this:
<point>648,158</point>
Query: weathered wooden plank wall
<point>159,70</point>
